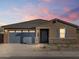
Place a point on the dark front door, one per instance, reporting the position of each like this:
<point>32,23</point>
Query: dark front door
<point>44,35</point>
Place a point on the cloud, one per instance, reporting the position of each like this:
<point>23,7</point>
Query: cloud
<point>46,1</point>
<point>30,17</point>
<point>29,12</point>
<point>34,13</point>
<point>44,10</point>
<point>2,22</point>
<point>71,16</point>
<point>66,9</point>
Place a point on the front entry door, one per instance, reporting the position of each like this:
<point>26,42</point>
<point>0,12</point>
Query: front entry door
<point>44,35</point>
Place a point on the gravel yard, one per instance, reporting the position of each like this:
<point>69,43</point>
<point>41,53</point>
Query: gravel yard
<point>7,50</point>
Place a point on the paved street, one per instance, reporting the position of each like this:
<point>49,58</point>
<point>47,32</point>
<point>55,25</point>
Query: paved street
<point>16,50</point>
<point>39,57</point>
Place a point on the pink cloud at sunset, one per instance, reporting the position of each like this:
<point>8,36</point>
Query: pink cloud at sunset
<point>44,10</point>
<point>29,14</point>
<point>73,16</point>
<point>70,18</point>
<point>66,9</point>
<point>31,17</point>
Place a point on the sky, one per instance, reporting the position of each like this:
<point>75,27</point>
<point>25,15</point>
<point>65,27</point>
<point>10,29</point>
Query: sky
<point>14,11</point>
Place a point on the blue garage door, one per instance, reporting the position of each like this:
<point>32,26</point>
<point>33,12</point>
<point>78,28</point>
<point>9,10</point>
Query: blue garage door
<point>22,37</point>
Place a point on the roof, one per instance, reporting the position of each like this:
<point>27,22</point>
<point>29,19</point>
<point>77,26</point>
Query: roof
<point>36,23</point>
<point>26,24</point>
<point>65,22</point>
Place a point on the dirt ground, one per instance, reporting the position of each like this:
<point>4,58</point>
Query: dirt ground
<point>8,50</point>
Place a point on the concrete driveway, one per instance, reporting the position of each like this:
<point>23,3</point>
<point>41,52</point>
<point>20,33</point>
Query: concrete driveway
<point>10,50</point>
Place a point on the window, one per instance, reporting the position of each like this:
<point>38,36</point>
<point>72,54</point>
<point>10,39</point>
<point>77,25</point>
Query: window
<point>62,32</point>
<point>25,30</point>
<point>11,31</point>
<point>33,31</point>
<point>18,31</point>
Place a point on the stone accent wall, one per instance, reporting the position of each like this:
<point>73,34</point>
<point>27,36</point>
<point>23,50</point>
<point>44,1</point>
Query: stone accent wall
<point>6,35</point>
<point>71,34</point>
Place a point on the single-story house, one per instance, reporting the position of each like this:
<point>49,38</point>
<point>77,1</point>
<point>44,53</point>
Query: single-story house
<point>41,31</point>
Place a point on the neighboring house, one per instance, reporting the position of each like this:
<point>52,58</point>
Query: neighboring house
<point>1,35</point>
<point>41,31</point>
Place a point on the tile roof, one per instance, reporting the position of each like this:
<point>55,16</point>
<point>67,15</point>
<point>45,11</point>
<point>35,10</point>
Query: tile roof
<point>26,24</point>
<point>65,22</point>
<point>36,23</point>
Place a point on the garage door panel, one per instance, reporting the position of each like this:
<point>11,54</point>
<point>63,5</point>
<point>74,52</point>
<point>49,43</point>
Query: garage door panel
<point>13,38</point>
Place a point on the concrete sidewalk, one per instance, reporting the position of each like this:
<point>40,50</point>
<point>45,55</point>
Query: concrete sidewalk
<point>8,50</point>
